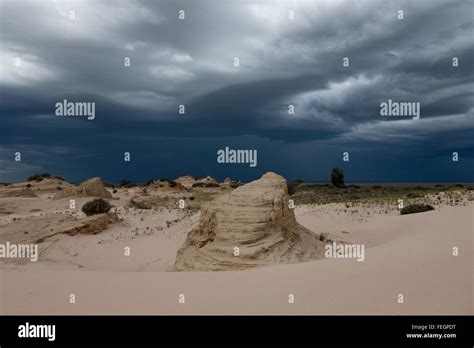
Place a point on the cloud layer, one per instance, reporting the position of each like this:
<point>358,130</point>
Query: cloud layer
<point>76,50</point>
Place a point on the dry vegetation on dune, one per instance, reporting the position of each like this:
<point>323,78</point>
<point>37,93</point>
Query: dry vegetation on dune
<point>458,194</point>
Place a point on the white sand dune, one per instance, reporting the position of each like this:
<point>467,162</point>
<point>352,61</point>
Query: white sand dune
<point>409,255</point>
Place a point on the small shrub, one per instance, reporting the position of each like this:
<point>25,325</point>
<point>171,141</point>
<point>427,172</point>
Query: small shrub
<point>354,197</point>
<point>212,184</point>
<point>420,188</point>
<point>337,177</point>
<point>35,177</point>
<point>28,185</point>
<point>39,177</point>
<point>124,182</point>
<point>291,188</point>
<point>173,183</point>
<point>96,206</point>
<point>413,195</point>
<point>140,204</point>
<point>204,184</point>
<point>127,184</point>
<point>416,208</point>
<point>235,184</point>
<point>193,205</point>
<point>149,182</point>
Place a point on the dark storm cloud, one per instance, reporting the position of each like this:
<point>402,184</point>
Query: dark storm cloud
<point>189,62</point>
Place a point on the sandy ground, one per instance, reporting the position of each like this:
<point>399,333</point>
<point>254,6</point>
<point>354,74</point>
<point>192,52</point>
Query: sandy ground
<point>153,235</point>
<point>409,255</point>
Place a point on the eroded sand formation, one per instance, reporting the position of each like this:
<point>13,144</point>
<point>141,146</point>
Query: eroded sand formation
<point>90,188</point>
<point>38,228</point>
<point>187,181</point>
<point>256,219</point>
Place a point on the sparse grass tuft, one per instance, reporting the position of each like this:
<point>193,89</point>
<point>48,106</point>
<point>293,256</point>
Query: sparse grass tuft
<point>140,204</point>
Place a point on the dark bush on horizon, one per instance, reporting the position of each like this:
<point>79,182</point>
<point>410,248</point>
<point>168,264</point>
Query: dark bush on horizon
<point>337,177</point>
<point>172,183</point>
<point>38,177</point>
<point>291,186</point>
<point>96,206</point>
<point>124,183</point>
<point>205,184</point>
<point>235,184</point>
<point>416,208</point>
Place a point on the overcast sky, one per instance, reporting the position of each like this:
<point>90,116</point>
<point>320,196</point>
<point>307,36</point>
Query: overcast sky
<point>283,61</point>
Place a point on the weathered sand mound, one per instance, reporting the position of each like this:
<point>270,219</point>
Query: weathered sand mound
<point>207,180</point>
<point>37,229</point>
<point>256,219</point>
<point>49,185</point>
<point>165,184</point>
<point>229,183</point>
<point>93,187</point>
<point>17,192</point>
<point>93,225</point>
<point>187,181</point>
